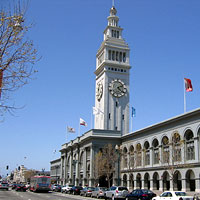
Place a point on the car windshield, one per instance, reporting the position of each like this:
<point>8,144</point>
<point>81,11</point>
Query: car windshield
<point>91,188</point>
<point>122,188</point>
<point>147,191</point>
<point>103,189</point>
<point>180,193</point>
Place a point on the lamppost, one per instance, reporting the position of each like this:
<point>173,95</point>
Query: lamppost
<point>117,148</point>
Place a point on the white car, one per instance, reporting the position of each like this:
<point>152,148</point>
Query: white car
<point>66,188</point>
<point>173,195</point>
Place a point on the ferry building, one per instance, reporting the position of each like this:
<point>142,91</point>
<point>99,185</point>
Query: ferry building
<point>164,156</point>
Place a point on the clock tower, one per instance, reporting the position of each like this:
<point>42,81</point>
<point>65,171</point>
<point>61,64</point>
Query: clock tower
<point>112,79</point>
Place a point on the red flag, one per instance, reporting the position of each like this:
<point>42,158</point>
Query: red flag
<point>1,80</point>
<point>82,122</point>
<point>188,85</point>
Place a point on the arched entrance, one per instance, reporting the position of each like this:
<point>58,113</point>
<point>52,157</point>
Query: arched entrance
<point>138,181</point>
<point>125,180</point>
<point>131,181</point>
<point>166,181</point>
<point>177,183</point>
<point>146,181</point>
<point>156,184</point>
<point>103,181</point>
<point>190,181</point>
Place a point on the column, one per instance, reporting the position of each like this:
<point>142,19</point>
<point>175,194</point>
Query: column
<point>77,168</point>
<point>142,183</point>
<point>151,156</point>
<point>161,184</point>
<point>71,167</point>
<point>64,170</point>
<point>184,185</point>
<point>84,167</point>
<point>61,170</point>
<point>197,182</point>
<point>171,184</point>
<point>151,184</point>
<point>91,181</point>
<point>196,149</point>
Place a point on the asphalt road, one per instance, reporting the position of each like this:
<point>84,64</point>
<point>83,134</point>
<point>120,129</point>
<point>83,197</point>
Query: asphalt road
<point>13,195</point>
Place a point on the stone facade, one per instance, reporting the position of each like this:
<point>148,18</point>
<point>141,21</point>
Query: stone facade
<point>164,156</point>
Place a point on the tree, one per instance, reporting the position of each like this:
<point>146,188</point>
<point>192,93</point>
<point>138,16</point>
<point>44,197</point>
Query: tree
<point>28,174</point>
<point>17,55</point>
<point>105,161</point>
<point>172,157</point>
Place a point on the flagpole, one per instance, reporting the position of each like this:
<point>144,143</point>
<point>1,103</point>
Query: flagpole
<point>79,130</point>
<point>91,119</point>
<point>184,96</point>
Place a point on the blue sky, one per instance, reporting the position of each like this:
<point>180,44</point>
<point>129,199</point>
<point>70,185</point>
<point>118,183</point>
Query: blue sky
<point>164,38</point>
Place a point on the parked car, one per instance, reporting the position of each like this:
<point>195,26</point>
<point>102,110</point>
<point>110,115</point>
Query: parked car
<point>56,187</point>
<point>14,185</point>
<point>4,185</point>
<point>76,190</point>
<point>21,187</point>
<point>117,192</point>
<point>140,194</point>
<point>87,191</point>
<point>66,188</point>
<point>196,196</point>
<point>99,192</point>
<point>174,195</point>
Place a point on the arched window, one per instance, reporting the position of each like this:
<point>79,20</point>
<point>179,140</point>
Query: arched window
<point>132,156</point>
<point>165,150</point>
<point>189,144</point>
<point>139,155</point>
<point>176,148</point>
<point>155,145</point>
<point>125,156</point>
<point>146,153</point>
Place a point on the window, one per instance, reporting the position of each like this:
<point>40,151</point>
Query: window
<point>120,56</point>
<point>113,55</point>
<point>189,143</point>
<point>109,55</point>
<point>155,151</point>
<point>176,148</point>
<point>139,154</point>
<point>124,57</point>
<point>117,34</point>
<point>146,153</point>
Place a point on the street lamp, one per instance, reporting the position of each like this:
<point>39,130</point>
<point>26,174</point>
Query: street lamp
<point>117,148</point>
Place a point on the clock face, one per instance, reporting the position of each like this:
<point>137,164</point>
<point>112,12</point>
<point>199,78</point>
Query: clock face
<point>117,88</point>
<point>99,91</point>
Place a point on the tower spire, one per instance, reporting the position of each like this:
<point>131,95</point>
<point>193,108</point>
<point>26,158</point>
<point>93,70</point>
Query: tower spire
<point>113,3</point>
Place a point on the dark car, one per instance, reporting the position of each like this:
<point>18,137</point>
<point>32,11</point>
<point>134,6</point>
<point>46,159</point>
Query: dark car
<point>57,188</point>
<point>140,194</point>
<point>87,191</point>
<point>4,185</point>
<point>21,187</point>
<point>76,190</point>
